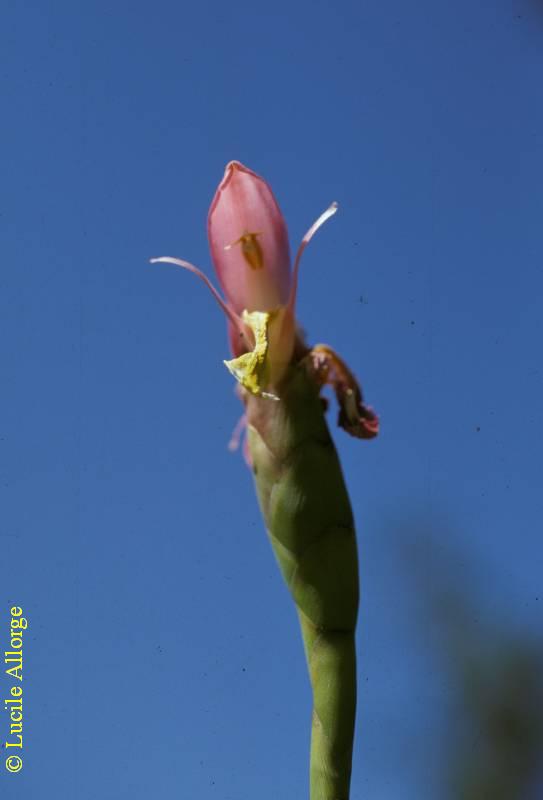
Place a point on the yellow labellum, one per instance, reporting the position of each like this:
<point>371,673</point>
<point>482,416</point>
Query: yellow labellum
<point>251,369</point>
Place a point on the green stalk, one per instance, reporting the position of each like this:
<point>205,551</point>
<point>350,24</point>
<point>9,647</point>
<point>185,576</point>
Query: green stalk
<point>308,516</point>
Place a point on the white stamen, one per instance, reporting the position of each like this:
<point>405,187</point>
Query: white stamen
<point>237,433</point>
<point>232,316</point>
<point>330,211</point>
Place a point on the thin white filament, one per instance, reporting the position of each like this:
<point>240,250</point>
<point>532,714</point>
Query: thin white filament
<point>330,211</point>
<point>233,317</point>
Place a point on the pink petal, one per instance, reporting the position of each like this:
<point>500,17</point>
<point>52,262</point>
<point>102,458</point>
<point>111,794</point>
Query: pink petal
<point>244,205</point>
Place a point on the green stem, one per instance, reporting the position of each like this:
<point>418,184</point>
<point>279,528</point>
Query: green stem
<point>308,515</point>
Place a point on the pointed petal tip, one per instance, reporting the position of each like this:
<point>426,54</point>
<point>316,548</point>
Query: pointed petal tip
<point>230,171</point>
<point>231,168</point>
<point>233,165</point>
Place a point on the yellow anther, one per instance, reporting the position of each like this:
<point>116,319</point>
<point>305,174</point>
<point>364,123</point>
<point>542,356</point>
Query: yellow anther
<point>251,249</point>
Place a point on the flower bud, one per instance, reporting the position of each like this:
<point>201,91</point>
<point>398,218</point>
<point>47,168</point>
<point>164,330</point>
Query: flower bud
<point>249,247</point>
<point>248,240</point>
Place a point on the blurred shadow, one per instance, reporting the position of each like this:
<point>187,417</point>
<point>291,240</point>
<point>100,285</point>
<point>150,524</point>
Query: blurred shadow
<point>537,5</point>
<point>495,745</point>
<point>500,688</point>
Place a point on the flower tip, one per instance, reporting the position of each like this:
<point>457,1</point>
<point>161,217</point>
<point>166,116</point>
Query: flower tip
<point>231,168</point>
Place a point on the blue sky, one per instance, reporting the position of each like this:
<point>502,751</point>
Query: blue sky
<point>163,656</point>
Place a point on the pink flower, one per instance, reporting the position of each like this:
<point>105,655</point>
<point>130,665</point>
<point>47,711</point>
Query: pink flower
<point>248,240</point>
<point>249,247</point>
